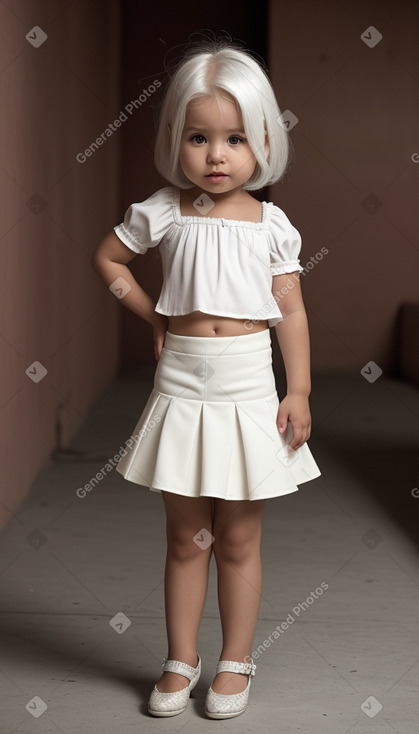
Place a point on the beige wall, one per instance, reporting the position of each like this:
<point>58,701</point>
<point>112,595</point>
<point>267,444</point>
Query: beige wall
<point>358,111</point>
<point>55,100</point>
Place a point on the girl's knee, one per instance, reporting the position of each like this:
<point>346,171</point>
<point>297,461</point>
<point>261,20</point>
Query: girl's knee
<point>236,544</point>
<point>185,544</point>
<point>237,530</point>
<point>188,526</point>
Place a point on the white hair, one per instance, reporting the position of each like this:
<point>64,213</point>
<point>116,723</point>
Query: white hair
<point>217,67</point>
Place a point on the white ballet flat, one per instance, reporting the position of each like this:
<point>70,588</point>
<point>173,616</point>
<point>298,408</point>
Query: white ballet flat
<point>220,706</point>
<point>172,704</point>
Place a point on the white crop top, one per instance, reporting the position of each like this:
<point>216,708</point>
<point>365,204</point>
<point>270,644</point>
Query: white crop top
<point>214,265</point>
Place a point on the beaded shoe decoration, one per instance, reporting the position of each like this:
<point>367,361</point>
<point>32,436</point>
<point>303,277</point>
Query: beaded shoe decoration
<point>172,704</point>
<point>220,706</point>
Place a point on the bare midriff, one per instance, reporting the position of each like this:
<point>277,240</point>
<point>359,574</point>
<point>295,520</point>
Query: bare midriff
<point>198,323</point>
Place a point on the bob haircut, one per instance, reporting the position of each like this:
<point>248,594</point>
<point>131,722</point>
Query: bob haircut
<point>213,67</point>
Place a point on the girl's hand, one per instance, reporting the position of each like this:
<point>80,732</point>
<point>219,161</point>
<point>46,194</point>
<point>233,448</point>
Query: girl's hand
<point>295,409</point>
<point>160,328</point>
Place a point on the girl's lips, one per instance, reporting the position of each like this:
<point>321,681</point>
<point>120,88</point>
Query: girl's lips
<point>217,175</point>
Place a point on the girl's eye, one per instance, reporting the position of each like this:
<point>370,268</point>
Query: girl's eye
<point>235,139</point>
<point>198,138</point>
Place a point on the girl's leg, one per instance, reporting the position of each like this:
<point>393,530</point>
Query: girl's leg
<point>237,535</point>
<point>185,581</point>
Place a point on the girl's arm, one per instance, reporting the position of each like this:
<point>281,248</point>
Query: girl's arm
<point>109,261</point>
<point>293,339</point>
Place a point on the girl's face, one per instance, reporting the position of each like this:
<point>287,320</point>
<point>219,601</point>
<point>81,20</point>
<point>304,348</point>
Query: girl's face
<point>214,152</point>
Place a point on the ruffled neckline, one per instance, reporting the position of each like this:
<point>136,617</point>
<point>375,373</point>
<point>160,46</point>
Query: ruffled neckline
<point>184,219</point>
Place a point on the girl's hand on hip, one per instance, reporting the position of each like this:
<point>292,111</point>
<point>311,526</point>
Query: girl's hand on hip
<point>160,328</point>
<point>295,409</point>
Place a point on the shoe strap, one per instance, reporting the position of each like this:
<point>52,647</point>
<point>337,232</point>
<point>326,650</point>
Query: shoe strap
<point>231,666</point>
<point>175,666</point>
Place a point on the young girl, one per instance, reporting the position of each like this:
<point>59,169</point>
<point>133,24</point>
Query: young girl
<point>213,437</point>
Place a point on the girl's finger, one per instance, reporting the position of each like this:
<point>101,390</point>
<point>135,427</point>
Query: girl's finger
<point>301,435</point>
<point>282,423</point>
<point>282,419</point>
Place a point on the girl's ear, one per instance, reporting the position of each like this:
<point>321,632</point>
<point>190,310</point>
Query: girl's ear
<point>267,149</point>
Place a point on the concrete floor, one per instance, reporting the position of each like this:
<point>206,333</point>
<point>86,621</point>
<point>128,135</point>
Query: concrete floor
<point>82,583</point>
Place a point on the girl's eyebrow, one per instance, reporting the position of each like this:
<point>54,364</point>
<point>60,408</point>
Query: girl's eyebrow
<point>203,129</point>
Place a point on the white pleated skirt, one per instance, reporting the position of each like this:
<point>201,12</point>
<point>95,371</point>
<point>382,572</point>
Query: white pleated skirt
<point>209,426</point>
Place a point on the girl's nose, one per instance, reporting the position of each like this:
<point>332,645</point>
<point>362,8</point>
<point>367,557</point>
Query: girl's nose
<point>216,154</point>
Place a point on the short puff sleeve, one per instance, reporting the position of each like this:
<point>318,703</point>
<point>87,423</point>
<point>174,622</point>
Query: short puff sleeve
<point>284,243</point>
<point>146,223</point>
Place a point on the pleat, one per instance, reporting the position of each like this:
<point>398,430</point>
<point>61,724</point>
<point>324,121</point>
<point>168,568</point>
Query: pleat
<point>138,462</point>
<point>217,437</point>
<point>176,447</point>
<point>215,449</point>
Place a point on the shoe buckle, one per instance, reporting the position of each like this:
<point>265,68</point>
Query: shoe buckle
<point>252,668</point>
